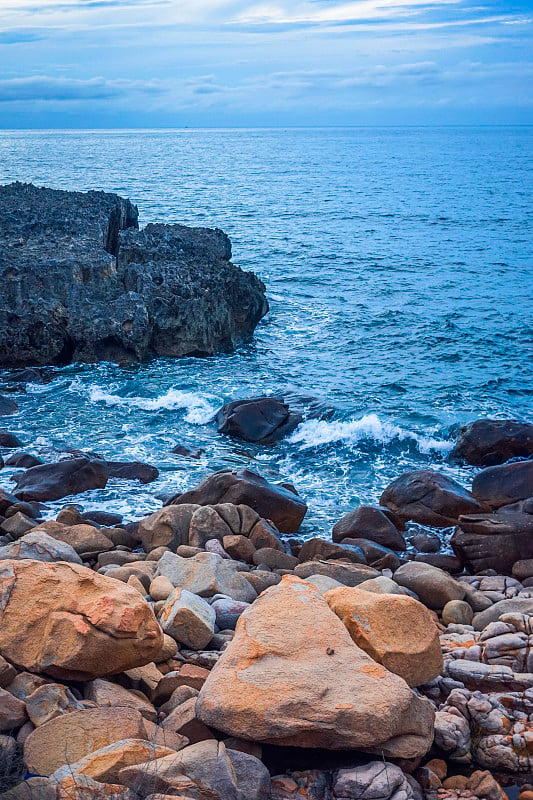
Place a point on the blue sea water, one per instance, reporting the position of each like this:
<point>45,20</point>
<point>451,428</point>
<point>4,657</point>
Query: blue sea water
<point>398,264</point>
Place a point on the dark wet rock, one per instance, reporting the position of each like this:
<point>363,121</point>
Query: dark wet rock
<point>447,562</point>
<point>132,471</point>
<point>260,419</point>
<point>430,498</point>
<point>54,481</point>
<point>426,542</point>
<point>180,450</point>
<point>487,442</point>
<point>367,522</point>
<point>7,405</point>
<point>28,375</point>
<point>9,440</point>
<point>273,502</point>
<point>105,518</point>
<point>503,485</point>
<point>320,549</point>
<point>82,283</point>
<point>372,550</point>
<point>6,501</point>
<point>24,460</point>
<point>493,541</point>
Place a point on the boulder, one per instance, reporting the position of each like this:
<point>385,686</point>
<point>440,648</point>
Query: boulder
<point>106,694</point>
<point>54,481</point>
<point>168,527</point>
<point>132,471</point>
<point>503,485</point>
<point>367,522</point>
<point>493,541</point>
<point>514,605</point>
<point>341,571</point>
<point>273,502</point>
<point>70,737</point>
<point>188,619</point>
<point>487,442</point>
<point>23,460</point>
<point>293,676</point>
<point>72,623</point>
<point>260,419</point>
<point>38,546</point>
<point>17,524</point>
<point>182,721</point>
<point>49,701</point>
<point>7,406</point>
<point>85,539</point>
<point>377,780</point>
<point>317,548</point>
<point>430,498</point>
<point>394,630</point>
<point>9,440</point>
<point>203,771</point>
<point>82,283</point>
<point>105,764</point>
<point>12,712</point>
<point>206,574</point>
<point>434,587</point>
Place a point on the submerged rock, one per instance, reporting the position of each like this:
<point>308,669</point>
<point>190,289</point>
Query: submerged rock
<point>260,419</point>
<point>82,283</point>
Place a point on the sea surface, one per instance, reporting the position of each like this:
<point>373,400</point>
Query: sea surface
<point>399,269</point>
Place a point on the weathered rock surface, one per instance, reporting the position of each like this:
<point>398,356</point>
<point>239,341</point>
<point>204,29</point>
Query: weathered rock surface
<point>70,622</point>
<point>206,575</point>
<point>132,471</point>
<point>39,547</point>
<point>260,419</point>
<point>505,484</point>
<point>7,406</point>
<point>81,283</point>
<point>493,541</point>
<point>394,630</point>
<point>273,502</point>
<point>54,481</point>
<point>430,498</point>
<point>367,522</point>
<point>487,442</point>
<point>188,619</point>
<point>293,676</point>
<point>433,586</point>
<point>105,764</point>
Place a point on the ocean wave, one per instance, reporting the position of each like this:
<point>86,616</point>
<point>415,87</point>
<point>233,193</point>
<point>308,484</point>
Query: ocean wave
<point>199,410</point>
<point>315,433</point>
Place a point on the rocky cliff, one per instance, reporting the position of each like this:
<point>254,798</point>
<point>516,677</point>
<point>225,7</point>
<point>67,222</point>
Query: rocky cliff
<point>81,282</point>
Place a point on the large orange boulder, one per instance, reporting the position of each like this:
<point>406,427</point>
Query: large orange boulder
<point>395,630</point>
<point>72,623</point>
<point>293,676</point>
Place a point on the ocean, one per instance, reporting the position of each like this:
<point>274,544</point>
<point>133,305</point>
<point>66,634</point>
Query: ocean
<point>399,270</point>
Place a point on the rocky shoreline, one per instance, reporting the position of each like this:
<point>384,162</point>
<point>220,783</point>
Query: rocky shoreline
<point>208,652</point>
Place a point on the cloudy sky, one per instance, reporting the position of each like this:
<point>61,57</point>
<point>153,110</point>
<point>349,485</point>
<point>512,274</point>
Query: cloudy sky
<point>175,63</point>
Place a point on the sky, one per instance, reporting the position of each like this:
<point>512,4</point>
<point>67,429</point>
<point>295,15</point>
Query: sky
<point>248,63</point>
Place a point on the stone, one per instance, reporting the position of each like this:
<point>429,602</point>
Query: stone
<point>107,694</point>
<point>70,737</point>
<point>368,522</point>
<point>87,285</point>
<point>7,406</point>
<point>161,588</point>
<point>49,701</point>
<point>505,484</point>
<point>206,574</point>
<point>320,549</point>
<point>7,673</point>
<point>105,764</point>
<point>227,612</point>
<point>371,551</point>
<point>261,579</point>
<point>394,630</point>
<point>9,440</point>
<point>188,619</point>
<point>274,559</point>
<point>89,625</point>
<point>25,684</point>
<point>430,498</point>
<point>12,712</point>
<point>426,542</point>
<point>54,481</point>
<point>16,525</point>
<point>377,780</point>
<point>133,471</point>
<point>38,546</point>
<point>487,442</point>
<point>382,585</point>
<point>23,460</point>
<point>265,420</point>
<point>238,547</point>
<point>84,538</point>
<point>168,527</point>
<point>323,583</point>
<point>434,587</point>
<point>81,787</point>
<point>183,721</point>
<point>493,541</point>
<point>457,612</point>
<point>203,771</point>
<point>347,574</point>
<point>520,605</point>
<point>292,676</point>
<point>272,502</point>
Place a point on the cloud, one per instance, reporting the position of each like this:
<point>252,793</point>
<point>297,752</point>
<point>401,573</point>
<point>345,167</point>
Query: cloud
<point>43,87</point>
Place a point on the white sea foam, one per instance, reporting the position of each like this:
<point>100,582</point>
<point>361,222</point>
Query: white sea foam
<point>199,409</point>
<point>315,433</point>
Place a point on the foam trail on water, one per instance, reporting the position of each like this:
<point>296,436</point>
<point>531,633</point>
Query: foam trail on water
<point>199,410</point>
<point>315,433</point>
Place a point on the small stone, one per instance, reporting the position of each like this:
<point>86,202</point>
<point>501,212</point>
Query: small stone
<point>457,612</point>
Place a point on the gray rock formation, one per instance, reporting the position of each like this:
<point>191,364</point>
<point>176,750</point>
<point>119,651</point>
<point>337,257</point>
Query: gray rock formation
<point>80,282</point>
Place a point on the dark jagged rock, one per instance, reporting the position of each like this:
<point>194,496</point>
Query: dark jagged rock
<point>54,481</point>
<point>7,405</point>
<point>132,471</point>
<point>260,419</point>
<point>368,522</point>
<point>276,503</point>
<point>9,440</point>
<point>487,442</point>
<point>493,541</point>
<point>430,498</point>
<point>503,485</point>
<point>24,460</point>
<point>80,282</point>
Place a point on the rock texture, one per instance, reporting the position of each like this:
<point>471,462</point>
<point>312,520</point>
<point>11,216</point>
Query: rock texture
<point>70,622</point>
<point>293,676</point>
<point>260,419</point>
<point>80,282</point>
<point>487,442</point>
